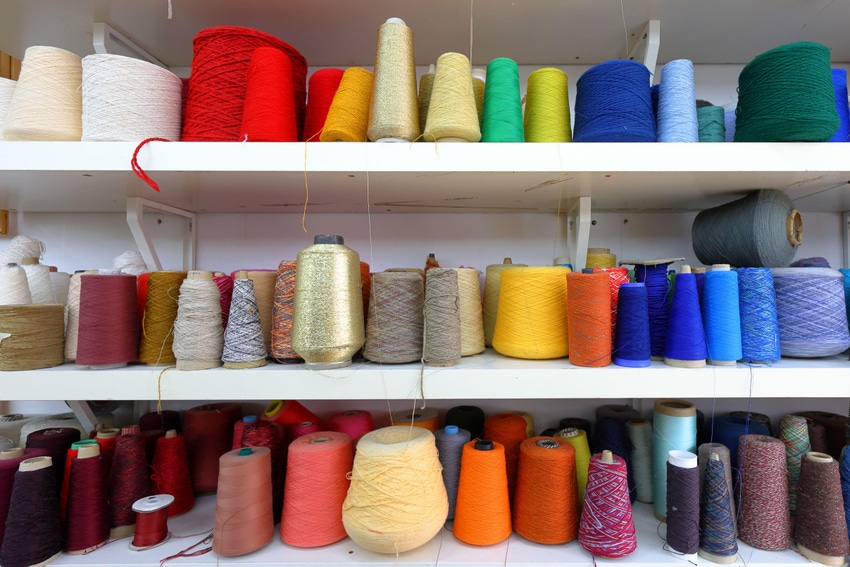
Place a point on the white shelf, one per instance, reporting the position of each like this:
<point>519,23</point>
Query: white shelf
<point>488,375</point>
<point>443,550</point>
<point>420,177</point>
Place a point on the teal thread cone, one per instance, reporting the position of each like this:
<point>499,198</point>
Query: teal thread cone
<point>502,116</point>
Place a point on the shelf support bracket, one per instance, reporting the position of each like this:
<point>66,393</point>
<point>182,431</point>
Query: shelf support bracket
<point>83,413</point>
<point>846,217</point>
<point>136,220</point>
<point>578,231</point>
<point>105,39</point>
<point>646,49</point>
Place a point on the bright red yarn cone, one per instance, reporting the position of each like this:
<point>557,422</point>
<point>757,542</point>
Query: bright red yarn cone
<point>269,113</point>
<point>320,94</point>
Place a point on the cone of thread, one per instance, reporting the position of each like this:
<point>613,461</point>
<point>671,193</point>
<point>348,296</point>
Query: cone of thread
<point>547,107</point>
<point>589,314</point>
<point>483,512</point>
<point>348,116</point>
<point>394,112</point>
<point>452,115</point>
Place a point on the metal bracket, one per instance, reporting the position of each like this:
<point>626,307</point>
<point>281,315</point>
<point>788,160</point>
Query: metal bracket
<point>136,220</point>
<point>106,39</point>
<point>646,49</point>
<point>578,231</point>
<point>846,218</point>
<point>83,413</point>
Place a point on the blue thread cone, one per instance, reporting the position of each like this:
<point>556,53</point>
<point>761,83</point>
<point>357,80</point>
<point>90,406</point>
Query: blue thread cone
<point>757,306</point>
<point>721,316</point>
<point>685,345</point>
<point>631,341</point>
<point>717,524</point>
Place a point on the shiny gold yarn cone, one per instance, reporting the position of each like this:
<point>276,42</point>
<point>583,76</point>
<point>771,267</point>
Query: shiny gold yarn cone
<point>394,114</point>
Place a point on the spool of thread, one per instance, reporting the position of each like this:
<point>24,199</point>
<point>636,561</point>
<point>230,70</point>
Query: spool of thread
<point>531,322</point>
<point>38,280</point>
<point>483,513</point>
<point>171,472</point>
<point>243,342</point>
<point>395,320</point>
<point>529,422</point>
<point>21,247</point>
<point>33,531</point>
<point>151,521</point>
<point>631,338</point>
<point>126,100</point>
<point>452,113</point>
<point>243,511</point>
<point>712,124</point>
<point>87,515</point>
<point>786,94</point>
<point>810,312</point>
<point>795,434</point>
<point>470,312</point>
<point>479,83</point>
<point>764,520</point>
<point>208,430</point>
<point>549,516</point>
<point>844,470</point>
<point>509,430</point>
<point>470,418</point>
<point>578,439</point>
<point>151,438</point>
<point>10,460</point>
<point>34,336</point>
<point>219,78</point>
<point>762,229</point>
<point>721,316</point>
<point>108,335</point>
<point>654,276</point>
<point>106,439</point>
<point>394,109</point>
<point>289,412</point>
<point>60,283</point>
<point>128,482</point>
<point>589,316</point>
<point>365,287</point>
<point>728,430</point>
<point>834,427</point>
<point>613,104</point>
<point>268,434</point>
<point>14,288</point>
<point>547,107</point>
<point>502,116</point>
<point>354,423</point>
<point>717,541</point>
<point>683,503</point>
<point>427,418</point>
<point>759,325</point>
<point>639,432</point>
<point>677,111</point>
<point>426,85</point>
<point>685,340</point>
<point>155,346</point>
<point>47,102</point>
<point>600,258</point>
<point>269,109</point>
<point>576,423</point>
<point>56,421</point>
<point>616,278</point>
<point>130,262</point>
<point>442,344</point>
<point>264,287</point>
<point>753,416</point>
<point>348,115</point>
<point>301,429</point>
<point>611,433</point>
<point>164,420</point>
<point>675,428</point>
<point>820,528</point>
<point>846,273</point>
<point>316,485</point>
<point>7,89</point>
<point>607,528</point>
<point>722,451</point>
<point>327,326</point>
<point>284,301</point>
<point>397,500</point>
<point>492,285</point>
<point>320,94</point>
<point>817,437</point>
<point>839,87</point>
<point>198,335</point>
<point>56,441</point>
<point>450,442</point>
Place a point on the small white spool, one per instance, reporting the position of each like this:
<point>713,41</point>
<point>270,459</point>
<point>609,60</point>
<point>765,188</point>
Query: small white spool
<point>7,89</point>
<point>47,103</point>
<point>128,100</point>
<point>14,289</point>
<point>38,280</point>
